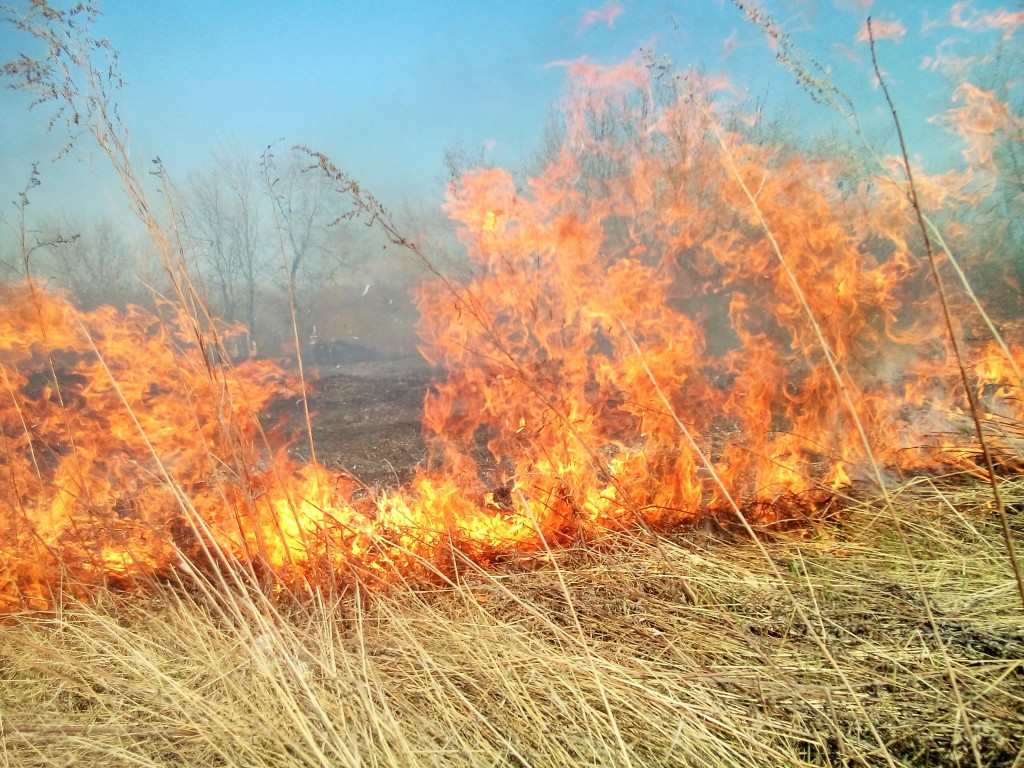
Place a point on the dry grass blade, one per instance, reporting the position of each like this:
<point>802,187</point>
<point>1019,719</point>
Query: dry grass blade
<point>693,646</point>
<point>944,303</point>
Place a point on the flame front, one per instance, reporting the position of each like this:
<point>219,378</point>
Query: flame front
<point>658,326</point>
<point>670,319</point>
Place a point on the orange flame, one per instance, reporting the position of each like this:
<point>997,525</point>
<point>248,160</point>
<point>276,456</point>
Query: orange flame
<point>637,345</point>
<point>978,120</point>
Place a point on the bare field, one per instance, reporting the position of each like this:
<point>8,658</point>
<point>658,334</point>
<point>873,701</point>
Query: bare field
<point>367,419</point>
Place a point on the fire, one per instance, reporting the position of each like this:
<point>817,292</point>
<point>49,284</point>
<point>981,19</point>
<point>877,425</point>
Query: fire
<point>669,319</point>
<point>980,118</point>
<point>632,287</point>
<point>131,452</point>
<point>113,424</point>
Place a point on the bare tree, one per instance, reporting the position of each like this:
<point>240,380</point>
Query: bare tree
<point>98,266</point>
<point>312,220</point>
<point>222,216</point>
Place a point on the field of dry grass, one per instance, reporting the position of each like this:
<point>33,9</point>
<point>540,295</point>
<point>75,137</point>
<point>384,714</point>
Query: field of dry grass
<point>690,650</point>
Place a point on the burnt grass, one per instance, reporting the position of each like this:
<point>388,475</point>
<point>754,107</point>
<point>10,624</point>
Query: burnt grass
<point>366,419</point>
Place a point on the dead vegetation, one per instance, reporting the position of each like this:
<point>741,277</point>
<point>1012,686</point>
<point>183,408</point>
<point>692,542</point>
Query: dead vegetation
<point>685,652</point>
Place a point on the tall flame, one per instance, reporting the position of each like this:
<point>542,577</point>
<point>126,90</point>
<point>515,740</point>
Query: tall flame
<point>650,239</point>
<point>658,324</point>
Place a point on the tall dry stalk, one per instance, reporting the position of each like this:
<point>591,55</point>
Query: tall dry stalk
<point>79,78</point>
<point>948,320</point>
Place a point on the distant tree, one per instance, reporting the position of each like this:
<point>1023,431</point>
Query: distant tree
<point>457,160</point>
<point>222,217</point>
<point>311,220</point>
<point>98,266</point>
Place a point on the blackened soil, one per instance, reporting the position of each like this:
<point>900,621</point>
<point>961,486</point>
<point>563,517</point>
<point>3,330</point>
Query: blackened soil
<point>366,419</point>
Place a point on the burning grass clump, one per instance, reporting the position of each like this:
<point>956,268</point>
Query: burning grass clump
<point>685,650</point>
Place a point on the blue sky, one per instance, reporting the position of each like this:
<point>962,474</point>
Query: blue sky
<point>384,87</point>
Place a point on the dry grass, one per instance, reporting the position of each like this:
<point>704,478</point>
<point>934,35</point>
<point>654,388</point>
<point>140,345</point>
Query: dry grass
<point>621,653</point>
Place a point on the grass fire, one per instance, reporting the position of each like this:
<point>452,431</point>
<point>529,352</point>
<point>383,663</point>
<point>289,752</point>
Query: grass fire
<point>713,452</point>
